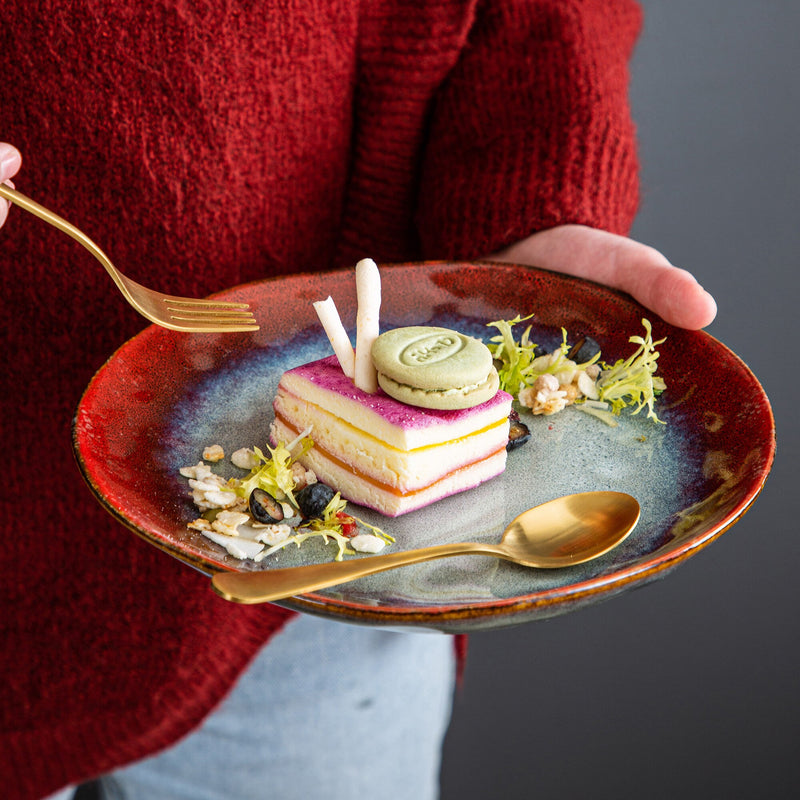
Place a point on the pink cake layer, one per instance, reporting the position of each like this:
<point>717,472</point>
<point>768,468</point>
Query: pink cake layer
<point>400,425</point>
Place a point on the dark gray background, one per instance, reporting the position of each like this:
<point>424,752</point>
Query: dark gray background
<point>687,687</point>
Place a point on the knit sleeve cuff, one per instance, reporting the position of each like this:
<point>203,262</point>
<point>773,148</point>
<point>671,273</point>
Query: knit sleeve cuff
<point>532,129</point>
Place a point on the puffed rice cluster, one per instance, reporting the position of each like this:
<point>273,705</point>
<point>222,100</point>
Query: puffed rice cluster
<point>211,492</point>
<point>551,392</point>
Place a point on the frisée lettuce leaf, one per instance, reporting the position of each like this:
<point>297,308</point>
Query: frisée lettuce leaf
<point>627,383</point>
<point>513,357</point>
<point>632,381</point>
<point>518,363</point>
<point>274,473</point>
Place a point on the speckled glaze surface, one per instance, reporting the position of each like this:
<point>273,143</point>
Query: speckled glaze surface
<point>163,396</point>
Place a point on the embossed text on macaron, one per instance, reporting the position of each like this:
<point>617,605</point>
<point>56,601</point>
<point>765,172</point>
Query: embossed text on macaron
<point>431,349</point>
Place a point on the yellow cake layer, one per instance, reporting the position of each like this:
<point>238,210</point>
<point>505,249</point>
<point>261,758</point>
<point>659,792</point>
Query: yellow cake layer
<point>405,470</point>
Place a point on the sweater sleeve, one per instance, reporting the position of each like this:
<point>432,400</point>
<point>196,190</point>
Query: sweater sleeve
<point>532,128</point>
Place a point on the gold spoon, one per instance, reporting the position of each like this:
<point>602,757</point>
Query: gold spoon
<point>560,533</point>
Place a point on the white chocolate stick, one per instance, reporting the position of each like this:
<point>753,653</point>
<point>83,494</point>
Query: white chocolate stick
<point>340,341</point>
<point>368,293</point>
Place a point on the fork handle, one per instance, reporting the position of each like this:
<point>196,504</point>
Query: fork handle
<point>25,202</point>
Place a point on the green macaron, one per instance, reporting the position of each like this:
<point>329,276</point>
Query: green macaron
<point>434,367</point>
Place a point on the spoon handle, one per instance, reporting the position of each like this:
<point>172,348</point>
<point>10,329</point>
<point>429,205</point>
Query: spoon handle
<point>267,585</point>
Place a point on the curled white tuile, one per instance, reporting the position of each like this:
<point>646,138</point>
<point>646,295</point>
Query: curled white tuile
<point>368,293</point>
<point>337,335</point>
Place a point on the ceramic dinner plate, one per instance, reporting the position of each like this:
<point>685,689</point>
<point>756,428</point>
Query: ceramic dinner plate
<point>164,396</point>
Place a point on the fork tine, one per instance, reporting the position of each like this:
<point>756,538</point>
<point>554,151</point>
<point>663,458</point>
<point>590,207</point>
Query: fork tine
<point>204,325</point>
<point>209,315</point>
<point>190,303</point>
<point>196,327</point>
<point>225,318</point>
<point>205,312</point>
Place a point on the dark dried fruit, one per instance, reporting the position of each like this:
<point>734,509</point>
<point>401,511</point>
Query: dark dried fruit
<point>312,499</point>
<point>585,349</point>
<point>264,507</point>
<point>518,432</point>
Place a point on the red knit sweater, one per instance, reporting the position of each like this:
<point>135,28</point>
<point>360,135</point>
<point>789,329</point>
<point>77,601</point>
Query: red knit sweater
<point>205,143</point>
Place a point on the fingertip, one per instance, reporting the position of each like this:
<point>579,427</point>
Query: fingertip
<point>709,311</point>
<point>689,305</point>
<point>10,161</point>
<point>700,314</point>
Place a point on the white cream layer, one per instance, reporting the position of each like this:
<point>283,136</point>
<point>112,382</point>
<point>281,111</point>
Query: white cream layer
<point>403,470</point>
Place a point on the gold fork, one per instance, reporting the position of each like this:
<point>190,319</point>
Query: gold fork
<point>177,313</point>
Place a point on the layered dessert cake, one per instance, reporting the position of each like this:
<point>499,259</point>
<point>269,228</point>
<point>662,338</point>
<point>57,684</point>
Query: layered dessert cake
<point>385,454</point>
<point>407,418</point>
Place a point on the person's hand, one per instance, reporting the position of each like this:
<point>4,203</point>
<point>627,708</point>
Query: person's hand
<point>620,263</point>
<point>10,161</point>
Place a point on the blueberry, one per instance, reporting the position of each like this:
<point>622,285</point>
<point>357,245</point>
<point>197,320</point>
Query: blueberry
<point>312,499</point>
<point>264,507</point>
<point>518,432</point>
<point>585,349</point>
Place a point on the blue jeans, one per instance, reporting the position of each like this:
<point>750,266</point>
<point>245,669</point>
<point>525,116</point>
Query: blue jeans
<point>326,710</point>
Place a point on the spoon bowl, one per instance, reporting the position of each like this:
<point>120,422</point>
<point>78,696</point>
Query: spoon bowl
<point>569,530</point>
<point>560,533</point>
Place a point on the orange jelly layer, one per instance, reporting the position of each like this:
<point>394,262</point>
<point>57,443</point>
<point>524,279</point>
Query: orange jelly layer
<point>379,484</point>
